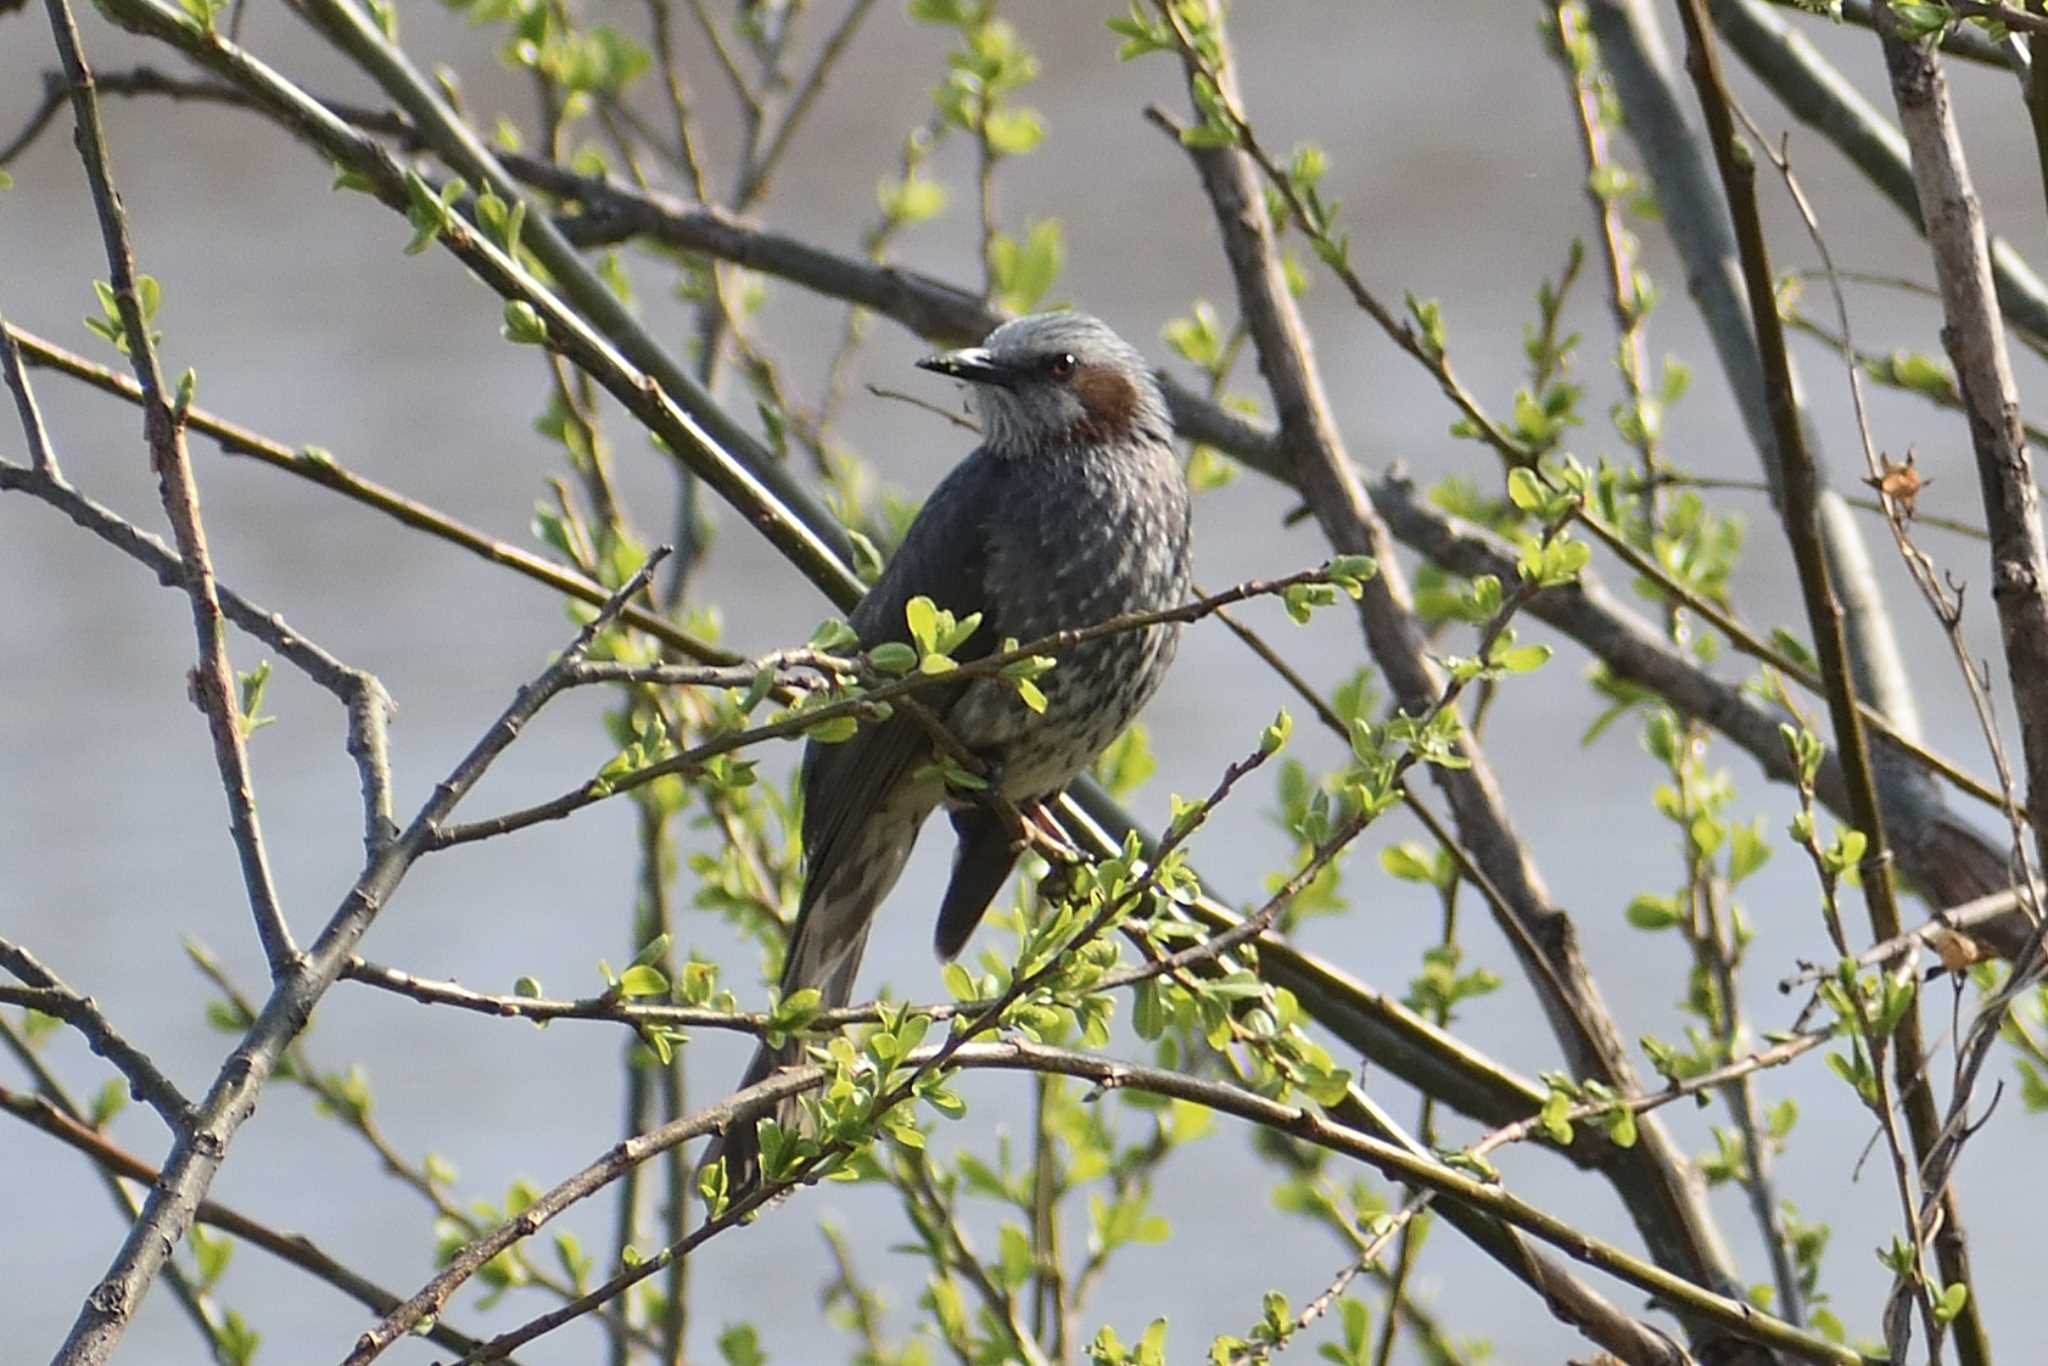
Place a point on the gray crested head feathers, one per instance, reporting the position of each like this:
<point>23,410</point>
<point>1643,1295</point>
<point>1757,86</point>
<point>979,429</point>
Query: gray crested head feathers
<point>1058,379</point>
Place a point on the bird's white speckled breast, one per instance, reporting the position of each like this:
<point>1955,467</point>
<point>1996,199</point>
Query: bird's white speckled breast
<point>1084,536</point>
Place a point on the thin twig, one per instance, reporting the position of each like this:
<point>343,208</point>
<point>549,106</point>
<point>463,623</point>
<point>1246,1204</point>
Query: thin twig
<point>1666,1204</point>
<point>1800,487</point>
<point>364,698</point>
<point>42,454</point>
<point>296,1249</point>
<point>866,705</point>
<point>318,465</point>
<point>203,1143</point>
<point>163,427</point>
<point>51,995</point>
<point>1736,1317</point>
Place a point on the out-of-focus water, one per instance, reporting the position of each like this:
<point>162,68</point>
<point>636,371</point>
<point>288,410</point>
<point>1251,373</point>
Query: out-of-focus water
<point>1452,156</point>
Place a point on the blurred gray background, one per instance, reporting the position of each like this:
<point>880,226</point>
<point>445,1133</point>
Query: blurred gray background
<point>1452,153</point>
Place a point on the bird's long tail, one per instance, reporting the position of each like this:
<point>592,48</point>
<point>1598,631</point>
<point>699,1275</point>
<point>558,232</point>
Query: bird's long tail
<point>824,952</point>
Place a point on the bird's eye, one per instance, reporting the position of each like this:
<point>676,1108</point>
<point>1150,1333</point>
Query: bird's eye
<point>1061,365</point>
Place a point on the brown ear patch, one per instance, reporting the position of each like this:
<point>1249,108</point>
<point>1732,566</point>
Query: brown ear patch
<point>1109,401</point>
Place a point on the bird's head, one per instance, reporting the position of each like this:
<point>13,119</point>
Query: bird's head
<point>1058,379</point>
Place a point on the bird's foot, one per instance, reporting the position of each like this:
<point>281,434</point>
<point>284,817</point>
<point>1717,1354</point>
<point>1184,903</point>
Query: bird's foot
<point>1043,833</point>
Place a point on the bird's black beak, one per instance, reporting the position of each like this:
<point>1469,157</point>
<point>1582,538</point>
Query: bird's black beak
<point>973,364</point>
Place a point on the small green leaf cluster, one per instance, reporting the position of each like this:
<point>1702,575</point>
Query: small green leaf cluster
<point>934,632</point>
<point>1275,1326</point>
<point>1382,753</point>
<point>1200,339</point>
<point>1023,272</point>
<point>344,1095</point>
<point>1640,420</point>
<point>201,18</point>
<point>1900,1258</point>
<point>431,212</point>
<point>1547,407</point>
<point>109,325</point>
<point>1808,1243</point>
<point>1107,1349</point>
<point>582,63</point>
<point>1346,572</point>
<point>1613,1115</point>
<point>1697,547</point>
<point>1258,1029</point>
<point>236,1341</point>
<point>1064,967</point>
<point>1440,987</point>
<point>1729,1162</point>
<point>1312,808</point>
<point>910,199</point>
<point>1502,657</point>
<point>1427,319</point>
<point>1552,562</point>
<point>250,685</point>
<point>859,1102</point>
<point>990,65</point>
<point>646,744</point>
<point>1915,370</point>
<point>1918,19</point>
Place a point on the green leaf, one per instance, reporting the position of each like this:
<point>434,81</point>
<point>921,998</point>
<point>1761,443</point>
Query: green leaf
<point>911,200</point>
<point>1275,735</point>
<point>833,637</point>
<point>1013,131</point>
<point>740,1345</point>
<point>1555,1117</point>
<point>833,730</point>
<point>109,1101</point>
<point>250,686</point>
<point>1520,659</point>
<point>1526,490</point>
<point>1409,862</point>
<point>236,1340</point>
<point>1747,850</point>
<point>922,616</point>
<point>1024,271</point>
<point>212,1252</point>
<point>1350,572</point>
<point>893,657</point>
<point>523,324</point>
<point>1648,912</point>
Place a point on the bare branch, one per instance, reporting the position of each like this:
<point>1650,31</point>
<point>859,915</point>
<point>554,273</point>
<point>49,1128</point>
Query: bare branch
<point>360,693</point>
<point>203,1143</point>
<point>164,428</point>
<point>1664,1195</point>
<point>1975,339</point>
<point>51,995</point>
<point>295,1249</point>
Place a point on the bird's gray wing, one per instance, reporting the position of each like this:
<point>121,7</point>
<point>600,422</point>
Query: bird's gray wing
<point>943,557</point>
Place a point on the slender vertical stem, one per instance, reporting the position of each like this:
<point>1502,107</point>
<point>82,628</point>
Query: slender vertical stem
<point>164,427</point>
<point>1802,519</point>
